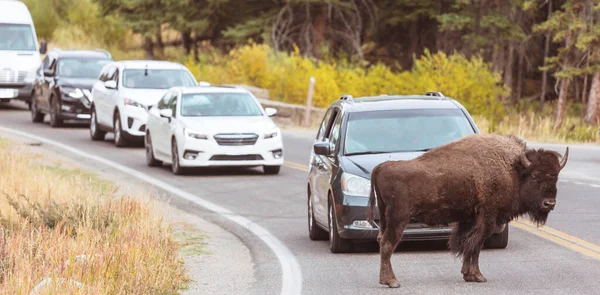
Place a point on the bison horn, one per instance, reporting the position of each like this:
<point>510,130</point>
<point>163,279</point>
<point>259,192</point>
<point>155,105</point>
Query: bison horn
<point>563,162</point>
<point>524,160</point>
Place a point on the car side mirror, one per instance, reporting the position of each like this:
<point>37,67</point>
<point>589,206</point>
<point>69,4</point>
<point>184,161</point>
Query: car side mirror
<point>43,47</point>
<point>110,84</point>
<point>203,83</point>
<point>166,113</point>
<point>322,148</point>
<point>48,73</point>
<point>270,112</point>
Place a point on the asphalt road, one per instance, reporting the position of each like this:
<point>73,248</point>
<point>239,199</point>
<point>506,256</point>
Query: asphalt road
<point>564,259</point>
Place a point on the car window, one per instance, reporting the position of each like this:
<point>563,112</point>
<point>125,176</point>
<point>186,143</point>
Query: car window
<point>163,103</point>
<point>16,37</point>
<point>110,72</point>
<point>156,78</point>
<point>334,135</point>
<point>324,124</point>
<point>404,130</point>
<point>80,68</point>
<point>173,104</point>
<point>219,105</point>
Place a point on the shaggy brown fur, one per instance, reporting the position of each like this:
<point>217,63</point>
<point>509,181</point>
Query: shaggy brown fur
<point>479,181</point>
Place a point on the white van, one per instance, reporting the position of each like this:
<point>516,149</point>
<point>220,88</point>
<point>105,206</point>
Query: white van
<point>19,51</point>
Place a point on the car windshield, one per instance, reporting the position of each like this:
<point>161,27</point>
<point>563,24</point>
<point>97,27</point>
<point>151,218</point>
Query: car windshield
<point>219,105</point>
<point>81,68</point>
<point>156,78</point>
<point>403,130</point>
<point>16,37</point>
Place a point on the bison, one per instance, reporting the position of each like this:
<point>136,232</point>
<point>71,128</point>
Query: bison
<point>478,182</point>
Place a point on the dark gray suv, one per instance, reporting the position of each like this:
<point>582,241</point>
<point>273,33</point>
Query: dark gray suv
<point>356,135</point>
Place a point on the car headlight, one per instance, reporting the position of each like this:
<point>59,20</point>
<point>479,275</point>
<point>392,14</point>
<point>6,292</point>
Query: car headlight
<point>75,93</point>
<point>271,134</point>
<point>133,103</point>
<point>194,134</point>
<point>355,185</point>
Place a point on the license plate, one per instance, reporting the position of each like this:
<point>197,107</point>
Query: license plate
<point>8,93</point>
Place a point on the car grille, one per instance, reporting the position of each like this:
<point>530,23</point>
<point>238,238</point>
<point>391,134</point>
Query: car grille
<point>236,138</point>
<point>9,76</point>
<point>236,158</point>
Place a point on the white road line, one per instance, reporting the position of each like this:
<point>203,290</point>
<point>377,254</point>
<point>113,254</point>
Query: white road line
<point>581,183</point>
<point>291,272</point>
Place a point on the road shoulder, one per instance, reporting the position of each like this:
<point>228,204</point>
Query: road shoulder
<point>217,262</point>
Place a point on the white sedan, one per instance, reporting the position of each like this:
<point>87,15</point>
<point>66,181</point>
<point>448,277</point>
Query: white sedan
<point>212,126</point>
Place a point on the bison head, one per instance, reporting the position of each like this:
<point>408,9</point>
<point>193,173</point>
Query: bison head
<point>539,171</point>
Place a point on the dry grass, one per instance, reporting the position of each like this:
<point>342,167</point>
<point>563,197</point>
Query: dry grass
<point>538,128</point>
<point>50,216</point>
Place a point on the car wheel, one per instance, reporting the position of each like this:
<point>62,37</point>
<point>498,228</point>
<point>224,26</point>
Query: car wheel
<point>95,132</point>
<point>315,233</point>
<point>175,166</point>
<point>118,132</point>
<point>150,160</point>
<point>337,244</point>
<point>497,241</point>
<point>55,119</point>
<point>271,169</point>
<point>36,115</point>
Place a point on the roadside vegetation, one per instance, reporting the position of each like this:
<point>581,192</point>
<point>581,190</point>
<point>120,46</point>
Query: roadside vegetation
<point>67,228</point>
<point>529,73</point>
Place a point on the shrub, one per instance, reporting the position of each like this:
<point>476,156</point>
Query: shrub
<point>286,76</point>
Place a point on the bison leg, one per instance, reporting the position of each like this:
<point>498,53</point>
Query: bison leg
<point>389,242</point>
<point>471,248</point>
<point>457,240</point>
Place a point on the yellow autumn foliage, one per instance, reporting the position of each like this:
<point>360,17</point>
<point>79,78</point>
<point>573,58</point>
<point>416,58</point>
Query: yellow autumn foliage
<point>286,75</point>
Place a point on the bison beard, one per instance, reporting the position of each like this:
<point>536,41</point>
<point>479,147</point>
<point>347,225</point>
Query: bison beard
<point>477,182</point>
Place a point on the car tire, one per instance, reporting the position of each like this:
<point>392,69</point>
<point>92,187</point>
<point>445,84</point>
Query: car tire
<point>337,244</point>
<point>118,131</point>
<point>315,233</point>
<point>271,170</point>
<point>175,166</point>
<point>55,119</point>
<point>95,133</point>
<point>36,115</point>
<point>497,241</point>
<point>150,160</point>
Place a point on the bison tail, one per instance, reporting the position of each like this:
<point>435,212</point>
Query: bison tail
<point>370,216</point>
<point>372,198</point>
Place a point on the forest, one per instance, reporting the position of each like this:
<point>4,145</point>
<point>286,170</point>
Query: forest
<point>521,63</point>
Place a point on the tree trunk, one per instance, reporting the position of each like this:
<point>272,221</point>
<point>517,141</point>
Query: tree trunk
<point>562,103</point>
<point>508,71</point>
<point>149,47</point>
<point>520,81</point>
<point>546,53</point>
<point>320,23</point>
<point>159,43</point>
<point>584,94</point>
<point>593,104</point>
<point>186,37</point>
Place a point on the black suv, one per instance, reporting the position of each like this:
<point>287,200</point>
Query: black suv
<point>358,134</point>
<point>63,84</point>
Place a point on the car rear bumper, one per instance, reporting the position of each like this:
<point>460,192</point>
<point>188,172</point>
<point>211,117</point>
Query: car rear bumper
<point>205,153</point>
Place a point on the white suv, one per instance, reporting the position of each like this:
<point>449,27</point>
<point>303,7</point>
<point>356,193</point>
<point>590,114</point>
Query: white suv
<point>212,126</point>
<point>124,91</point>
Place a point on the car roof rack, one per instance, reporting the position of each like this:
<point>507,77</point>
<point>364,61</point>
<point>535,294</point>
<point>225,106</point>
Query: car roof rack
<point>435,93</point>
<point>104,51</point>
<point>347,97</point>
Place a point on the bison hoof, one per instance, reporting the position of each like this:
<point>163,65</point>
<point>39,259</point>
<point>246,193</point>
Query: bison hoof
<point>391,284</point>
<point>478,278</point>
